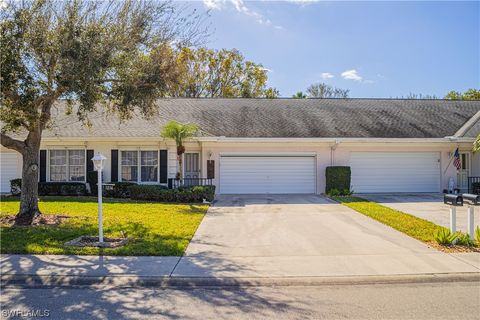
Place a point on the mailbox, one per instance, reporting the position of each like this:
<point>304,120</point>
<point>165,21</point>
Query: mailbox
<point>453,200</point>
<point>471,199</point>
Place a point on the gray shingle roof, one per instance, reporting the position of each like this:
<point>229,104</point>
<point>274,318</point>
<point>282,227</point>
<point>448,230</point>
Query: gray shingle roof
<point>295,118</point>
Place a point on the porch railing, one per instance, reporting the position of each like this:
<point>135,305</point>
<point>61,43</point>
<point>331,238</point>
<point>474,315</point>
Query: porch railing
<point>474,185</point>
<point>188,182</point>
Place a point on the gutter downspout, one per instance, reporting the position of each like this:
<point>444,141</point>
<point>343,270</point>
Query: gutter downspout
<point>332,152</point>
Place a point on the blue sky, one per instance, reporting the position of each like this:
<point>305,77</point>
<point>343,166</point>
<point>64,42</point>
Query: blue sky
<point>375,49</point>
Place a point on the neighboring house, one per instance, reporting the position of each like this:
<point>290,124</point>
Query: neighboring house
<point>272,145</point>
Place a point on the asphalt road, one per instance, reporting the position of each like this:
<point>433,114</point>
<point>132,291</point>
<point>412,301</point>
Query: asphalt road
<point>406,301</point>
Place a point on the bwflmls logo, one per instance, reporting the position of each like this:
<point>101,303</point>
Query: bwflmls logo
<point>37,313</point>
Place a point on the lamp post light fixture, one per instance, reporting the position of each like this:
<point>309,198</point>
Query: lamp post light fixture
<point>98,163</point>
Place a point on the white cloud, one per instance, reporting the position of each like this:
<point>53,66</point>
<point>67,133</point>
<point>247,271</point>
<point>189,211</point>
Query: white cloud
<point>303,2</point>
<point>327,75</point>
<point>214,4</point>
<point>239,6</point>
<point>351,75</point>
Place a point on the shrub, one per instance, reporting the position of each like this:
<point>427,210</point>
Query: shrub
<point>162,194</point>
<point>121,189</point>
<point>444,237</point>
<point>337,178</point>
<point>463,239</point>
<point>333,192</point>
<point>16,186</point>
<point>477,234</point>
<point>62,189</point>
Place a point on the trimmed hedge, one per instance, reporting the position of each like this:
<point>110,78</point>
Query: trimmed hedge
<point>16,186</point>
<point>121,189</point>
<point>337,177</point>
<point>62,189</point>
<point>162,194</point>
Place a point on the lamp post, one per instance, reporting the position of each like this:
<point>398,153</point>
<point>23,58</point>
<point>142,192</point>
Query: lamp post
<point>98,162</point>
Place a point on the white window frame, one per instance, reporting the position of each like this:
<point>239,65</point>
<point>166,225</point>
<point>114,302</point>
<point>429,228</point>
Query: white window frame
<point>67,163</point>
<point>139,165</point>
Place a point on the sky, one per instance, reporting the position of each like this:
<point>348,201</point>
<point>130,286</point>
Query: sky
<point>375,49</point>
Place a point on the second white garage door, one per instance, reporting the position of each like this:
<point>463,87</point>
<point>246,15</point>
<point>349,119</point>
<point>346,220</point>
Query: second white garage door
<point>267,174</point>
<point>395,171</point>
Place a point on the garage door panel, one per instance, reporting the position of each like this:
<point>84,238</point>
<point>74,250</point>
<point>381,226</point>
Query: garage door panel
<point>247,174</point>
<point>8,166</point>
<point>395,171</point>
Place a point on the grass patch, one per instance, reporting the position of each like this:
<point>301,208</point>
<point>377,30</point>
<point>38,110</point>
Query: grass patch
<point>157,229</point>
<point>413,226</point>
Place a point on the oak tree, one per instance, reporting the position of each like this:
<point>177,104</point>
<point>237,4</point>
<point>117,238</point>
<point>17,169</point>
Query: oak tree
<point>120,54</point>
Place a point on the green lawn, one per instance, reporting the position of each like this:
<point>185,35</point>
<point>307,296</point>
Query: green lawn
<point>413,226</point>
<point>157,229</point>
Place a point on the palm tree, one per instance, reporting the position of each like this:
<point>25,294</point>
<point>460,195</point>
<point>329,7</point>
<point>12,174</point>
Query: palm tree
<point>476,144</point>
<point>179,132</point>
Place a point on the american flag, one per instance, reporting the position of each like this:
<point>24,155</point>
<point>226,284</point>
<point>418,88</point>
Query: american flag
<point>456,160</point>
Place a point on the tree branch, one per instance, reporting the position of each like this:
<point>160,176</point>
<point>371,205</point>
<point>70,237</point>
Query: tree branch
<point>11,143</point>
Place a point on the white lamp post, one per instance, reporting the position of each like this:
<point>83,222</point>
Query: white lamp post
<point>98,162</point>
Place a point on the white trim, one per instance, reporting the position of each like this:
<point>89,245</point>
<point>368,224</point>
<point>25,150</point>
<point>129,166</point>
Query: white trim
<point>471,122</point>
<point>268,140</point>
<point>138,150</point>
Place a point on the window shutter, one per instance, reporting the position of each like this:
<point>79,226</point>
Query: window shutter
<point>210,169</point>
<point>163,166</point>
<point>114,172</point>
<point>88,160</point>
<point>43,165</point>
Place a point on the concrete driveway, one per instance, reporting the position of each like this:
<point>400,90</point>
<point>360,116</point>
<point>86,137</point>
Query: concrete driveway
<point>302,235</point>
<point>426,206</point>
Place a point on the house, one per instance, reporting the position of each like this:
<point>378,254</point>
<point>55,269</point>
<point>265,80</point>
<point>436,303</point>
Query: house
<point>271,145</point>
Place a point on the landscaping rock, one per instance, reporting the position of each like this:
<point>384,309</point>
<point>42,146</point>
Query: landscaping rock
<point>87,241</point>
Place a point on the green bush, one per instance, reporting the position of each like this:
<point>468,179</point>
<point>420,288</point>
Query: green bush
<point>333,192</point>
<point>444,237</point>
<point>16,186</point>
<point>477,234</point>
<point>337,177</point>
<point>62,189</point>
<point>121,189</point>
<point>463,239</point>
<point>162,194</point>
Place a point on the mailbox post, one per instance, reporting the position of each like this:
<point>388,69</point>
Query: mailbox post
<point>454,201</point>
<point>472,200</point>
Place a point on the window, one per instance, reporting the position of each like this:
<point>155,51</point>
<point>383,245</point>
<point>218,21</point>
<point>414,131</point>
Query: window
<point>67,165</point>
<point>149,162</point>
<point>143,162</point>
<point>129,165</point>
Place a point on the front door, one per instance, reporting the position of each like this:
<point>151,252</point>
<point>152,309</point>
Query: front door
<point>464,172</point>
<point>192,168</point>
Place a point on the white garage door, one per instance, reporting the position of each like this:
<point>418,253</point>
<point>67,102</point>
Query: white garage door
<point>395,171</point>
<point>267,174</point>
<point>8,170</point>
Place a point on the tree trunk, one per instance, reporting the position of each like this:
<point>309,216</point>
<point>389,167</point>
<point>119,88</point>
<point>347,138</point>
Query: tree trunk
<point>30,171</point>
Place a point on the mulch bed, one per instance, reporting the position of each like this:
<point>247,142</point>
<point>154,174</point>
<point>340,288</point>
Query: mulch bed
<point>87,241</point>
<point>40,220</point>
<point>452,248</point>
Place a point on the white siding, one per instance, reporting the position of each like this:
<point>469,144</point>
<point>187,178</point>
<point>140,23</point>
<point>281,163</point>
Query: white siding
<point>395,171</point>
<point>267,174</point>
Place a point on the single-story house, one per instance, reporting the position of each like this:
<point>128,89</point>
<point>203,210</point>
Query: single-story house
<point>249,146</point>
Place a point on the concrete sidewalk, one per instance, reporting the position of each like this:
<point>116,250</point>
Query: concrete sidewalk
<point>64,270</point>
